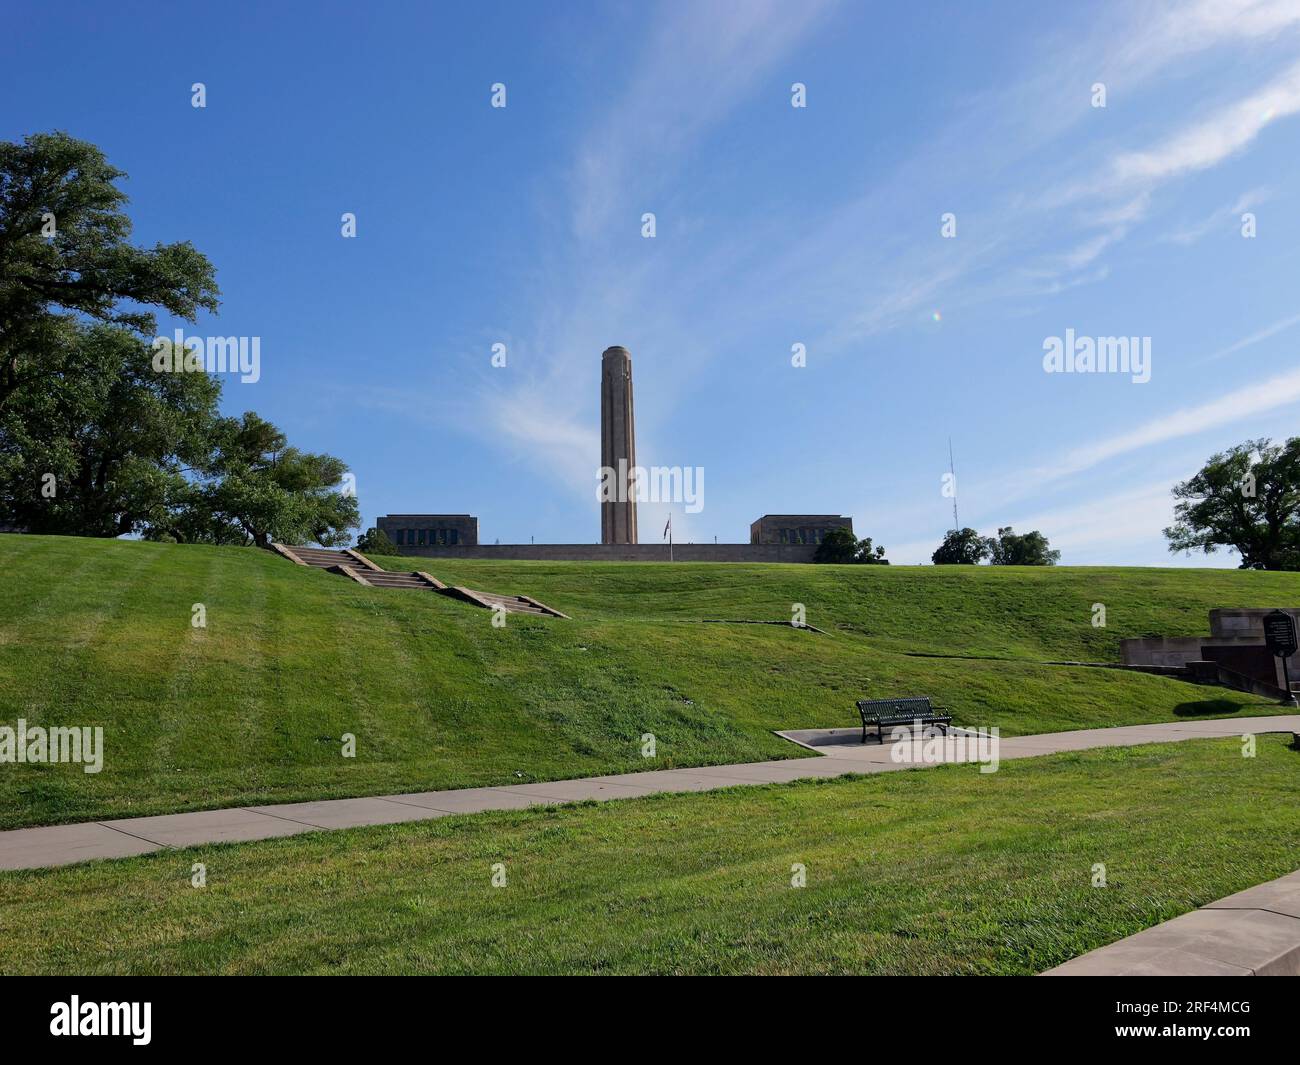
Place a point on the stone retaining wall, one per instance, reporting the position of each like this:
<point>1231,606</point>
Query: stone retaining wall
<point>622,552</point>
<point>1234,631</point>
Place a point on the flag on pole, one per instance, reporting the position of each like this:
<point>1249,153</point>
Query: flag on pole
<point>668,528</point>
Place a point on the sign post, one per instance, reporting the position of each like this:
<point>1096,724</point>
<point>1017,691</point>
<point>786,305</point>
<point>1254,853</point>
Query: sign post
<point>1280,636</point>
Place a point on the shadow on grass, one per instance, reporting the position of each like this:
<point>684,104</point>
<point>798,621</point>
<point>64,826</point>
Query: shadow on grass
<point>1207,706</point>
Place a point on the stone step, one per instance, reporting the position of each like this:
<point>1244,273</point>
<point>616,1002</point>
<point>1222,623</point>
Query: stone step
<point>512,603</point>
<point>328,559</point>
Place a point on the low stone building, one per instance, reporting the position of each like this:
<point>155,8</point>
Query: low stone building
<point>796,528</point>
<point>430,530</point>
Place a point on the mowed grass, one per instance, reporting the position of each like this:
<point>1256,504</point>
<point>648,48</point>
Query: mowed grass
<point>1023,612</point>
<point>940,870</point>
<point>253,707</point>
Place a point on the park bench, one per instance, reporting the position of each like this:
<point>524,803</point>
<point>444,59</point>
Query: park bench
<point>882,712</point>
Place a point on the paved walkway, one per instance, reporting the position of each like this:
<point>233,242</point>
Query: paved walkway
<point>32,848</point>
<point>1255,932</point>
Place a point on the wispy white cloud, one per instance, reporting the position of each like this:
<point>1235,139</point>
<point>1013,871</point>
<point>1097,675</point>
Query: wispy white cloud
<point>1121,518</point>
<point>1083,255</point>
<point>698,62</point>
<point>1255,338</point>
<point>1056,285</point>
<point>1208,142</point>
<point>1125,185</point>
<point>1119,192</point>
<point>1280,391</point>
<point>1226,219</point>
<point>1182,28</point>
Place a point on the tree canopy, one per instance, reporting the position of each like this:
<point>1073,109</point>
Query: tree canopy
<point>105,452</point>
<point>374,541</point>
<point>267,490</point>
<point>65,257</point>
<point>839,545</point>
<point>1021,549</point>
<point>94,440</point>
<point>961,547</point>
<point>1246,499</point>
<point>965,547</point>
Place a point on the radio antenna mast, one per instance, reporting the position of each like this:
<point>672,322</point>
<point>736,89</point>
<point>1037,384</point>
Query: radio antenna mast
<point>956,525</point>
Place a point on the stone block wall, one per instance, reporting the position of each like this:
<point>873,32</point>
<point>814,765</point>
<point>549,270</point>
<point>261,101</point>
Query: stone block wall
<point>622,552</point>
<point>1245,621</point>
<point>1236,641</point>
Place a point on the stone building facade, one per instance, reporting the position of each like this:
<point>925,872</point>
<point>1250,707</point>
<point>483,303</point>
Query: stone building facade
<point>796,528</point>
<point>429,530</point>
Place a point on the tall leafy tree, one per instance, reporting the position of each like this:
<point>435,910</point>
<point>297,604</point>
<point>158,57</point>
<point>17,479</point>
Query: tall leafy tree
<point>1247,499</point>
<point>374,541</point>
<point>1021,549</point>
<point>65,256</point>
<point>260,490</point>
<point>840,545</point>
<point>961,547</point>
<point>108,451</point>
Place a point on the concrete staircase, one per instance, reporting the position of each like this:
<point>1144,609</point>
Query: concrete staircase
<point>356,567</point>
<point>513,604</point>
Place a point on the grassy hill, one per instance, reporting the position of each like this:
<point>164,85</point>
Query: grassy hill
<point>253,706</point>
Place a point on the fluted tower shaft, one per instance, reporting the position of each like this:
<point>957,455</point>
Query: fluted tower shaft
<point>617,445</point>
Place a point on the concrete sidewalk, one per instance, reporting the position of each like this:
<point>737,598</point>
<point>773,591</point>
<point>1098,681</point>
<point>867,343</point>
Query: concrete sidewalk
<point>841,753</point>
<point>1255,932</point>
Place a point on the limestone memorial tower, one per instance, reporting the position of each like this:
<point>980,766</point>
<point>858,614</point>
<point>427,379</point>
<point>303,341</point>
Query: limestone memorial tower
<point>617,446</point>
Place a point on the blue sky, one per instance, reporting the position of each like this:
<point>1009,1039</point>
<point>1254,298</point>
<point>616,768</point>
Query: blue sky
<point>775,225</point>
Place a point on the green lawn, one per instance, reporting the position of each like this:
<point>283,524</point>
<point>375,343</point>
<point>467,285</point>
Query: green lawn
<point>940,870</point>
<point>252,707</point>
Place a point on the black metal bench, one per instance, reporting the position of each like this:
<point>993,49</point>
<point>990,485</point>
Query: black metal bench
<point>882,712</point>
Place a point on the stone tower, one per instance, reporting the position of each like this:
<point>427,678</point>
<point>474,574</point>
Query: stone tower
<point>617,445</point>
